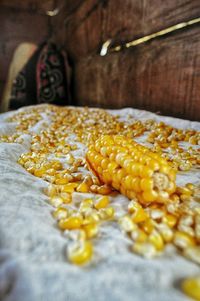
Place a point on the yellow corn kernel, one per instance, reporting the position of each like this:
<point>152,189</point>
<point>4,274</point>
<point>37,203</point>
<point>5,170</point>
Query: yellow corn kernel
<point>183,190</point>
<point>185,197</point>
<point>84,208</point>
<point>183,240</point>
<point>163,197</point>
<point>104,163</point>
<point>110,211</point>
<point>39,172</point>
<point>72,222</point>
<point>120,174</point>
<point>67,198</point>
<point>104,189</point>
<point>146,184</point>
<point>139,235</point>
<point>86,204</point>
<point>29,163</point>
<point>171,188</point>
<point>80,252</point>
<point>102,202</point>
<point>111,167</point>
<point>139,216</point>
<point>190,186</point>
<point>127,182</point>
<point>170,220</point>
<point>21,161</point>
<point>51,190</point>
<point>75,235</point>
<point>136,169</point>
<point>88,180</point>
<point>126,223</point>
<point>56,165</point>
<point>135,184</point>
<point>51,172</point>
<point>61,181</point>
<point>149,196</point>
<point>69,159</point>
<point>92,215</point>
<point>148,226</point>
<point>70,187</point>
<point>165,231</point>
<point>60,213</point>
<point>31,170</point>
<point>146,172</point>
<point>156,214</point>
<point>192,253</point>
<point>73,147</point>
<point>56,201</point>
<point>91,230</point>
<point>156,239</point>
<point>83,187</point>
<point>106,213</point>
<point>191,287</point>
<point>133,206</point>
<point>115,185</point>
<point>145,249</point>
<point>76,178</point>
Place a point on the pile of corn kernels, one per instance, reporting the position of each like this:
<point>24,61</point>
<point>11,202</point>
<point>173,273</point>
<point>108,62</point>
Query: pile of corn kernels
<point>57,155</point>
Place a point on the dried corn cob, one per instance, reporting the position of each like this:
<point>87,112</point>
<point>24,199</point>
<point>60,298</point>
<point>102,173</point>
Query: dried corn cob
<point>131,168</point>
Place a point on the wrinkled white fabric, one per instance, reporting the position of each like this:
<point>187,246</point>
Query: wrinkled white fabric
<point>33,265</point>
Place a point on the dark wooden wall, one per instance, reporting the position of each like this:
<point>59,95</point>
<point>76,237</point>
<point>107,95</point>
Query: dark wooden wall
<point>20,21</point>
<point>161,76</point>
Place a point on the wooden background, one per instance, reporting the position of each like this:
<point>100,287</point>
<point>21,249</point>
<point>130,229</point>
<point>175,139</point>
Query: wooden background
<point>20,21</point>
<point>161,76</point>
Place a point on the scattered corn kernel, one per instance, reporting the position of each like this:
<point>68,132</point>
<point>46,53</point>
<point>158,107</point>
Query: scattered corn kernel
<point>183,240</point>
<point>147,250</point>
<point>191,287</point>
<point>102,202</point>
<point>72,222</point>
<point>126,223</point>
<point>80,252</point>
<point>60,213</point>
<point>56,201</point>
<point>91,230</point>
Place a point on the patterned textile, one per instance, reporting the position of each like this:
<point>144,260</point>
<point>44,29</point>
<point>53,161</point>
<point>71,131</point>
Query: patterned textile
<point>43,79</point>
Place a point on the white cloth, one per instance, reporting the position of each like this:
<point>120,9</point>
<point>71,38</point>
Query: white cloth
<point>33,265</point>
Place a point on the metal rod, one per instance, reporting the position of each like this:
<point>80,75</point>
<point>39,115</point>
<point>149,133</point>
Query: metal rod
<point>105,47</point>
<point>54,12</point>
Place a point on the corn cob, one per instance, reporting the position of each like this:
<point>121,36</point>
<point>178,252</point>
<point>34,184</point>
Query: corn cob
<point>131,168</point>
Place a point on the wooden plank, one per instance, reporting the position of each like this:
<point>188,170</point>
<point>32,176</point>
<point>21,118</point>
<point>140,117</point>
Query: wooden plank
<point>17,27</point>
<point>96,21</point>
<point>85,28</point>
<point>160,76</point>
<point>29,5</point>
